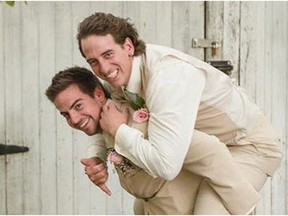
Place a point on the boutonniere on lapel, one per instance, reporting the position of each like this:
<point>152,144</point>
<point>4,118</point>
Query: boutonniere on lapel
<point>141,113</point>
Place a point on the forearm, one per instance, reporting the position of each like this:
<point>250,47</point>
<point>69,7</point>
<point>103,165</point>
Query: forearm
<point>170,129</point>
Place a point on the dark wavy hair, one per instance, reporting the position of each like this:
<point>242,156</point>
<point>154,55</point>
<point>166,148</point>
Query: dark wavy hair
<point>84,78</point>
<point>103,24</point>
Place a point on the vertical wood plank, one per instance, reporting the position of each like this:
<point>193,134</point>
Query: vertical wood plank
<point>248,64</point>
<point>147,17</point>
<point>214,27</point>
<point>30,108</point>
<point>63,59</point>
<point>48,167</point>
<point>115,7</point>
<point>163,31</point>
<point>14,123</point>
<point>131,10</point>
<point>252,35</point>
<point>187,23</point>
<point>279,110</point>
<point>2,115</point>
<point>231,35</point>
<point>263,63</point>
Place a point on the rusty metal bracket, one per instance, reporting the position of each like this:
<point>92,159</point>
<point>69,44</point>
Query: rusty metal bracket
<point>224,66</point>
<point>11,149</point>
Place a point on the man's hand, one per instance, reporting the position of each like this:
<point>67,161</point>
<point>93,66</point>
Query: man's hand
<point>112,118</point>
<point>97,172</point>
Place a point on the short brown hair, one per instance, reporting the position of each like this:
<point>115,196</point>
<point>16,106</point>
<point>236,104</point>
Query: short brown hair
<point>103,24</point>
<point>84,78</point>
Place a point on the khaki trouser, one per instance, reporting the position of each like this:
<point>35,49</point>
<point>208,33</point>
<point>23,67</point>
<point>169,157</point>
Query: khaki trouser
<point>232,175</point>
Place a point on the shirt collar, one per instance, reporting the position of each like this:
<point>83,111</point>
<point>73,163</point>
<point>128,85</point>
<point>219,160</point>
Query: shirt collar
<point>134,83</point>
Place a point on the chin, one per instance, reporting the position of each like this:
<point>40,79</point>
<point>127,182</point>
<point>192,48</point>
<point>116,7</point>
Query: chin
<point>117,83</point>
<point>90,133</point>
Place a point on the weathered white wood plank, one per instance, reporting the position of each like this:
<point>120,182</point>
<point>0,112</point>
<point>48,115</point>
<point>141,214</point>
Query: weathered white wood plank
<point>279,103</point>
<point>63,59</point>
<point>214,27</point>
<point>146,25</point>
<point>2,115</point>
<point>14,123</point>
<point>30,108</point>
<point>258,70</point>
<point>252,27</point>
<point>163,25</point>
<point>131,10</point>
<point>231,35</point>
<point>48,157</point>
<point>187,23</point>
<point>248,64</point>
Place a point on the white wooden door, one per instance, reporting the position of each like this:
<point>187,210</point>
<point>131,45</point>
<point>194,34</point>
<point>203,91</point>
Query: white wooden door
<point>38,39</point>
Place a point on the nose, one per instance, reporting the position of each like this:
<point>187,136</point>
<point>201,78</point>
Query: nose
<point>103,67</point>
<point>74,119</point>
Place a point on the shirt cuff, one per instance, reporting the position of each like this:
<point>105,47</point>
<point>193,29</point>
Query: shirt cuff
<point>97,148</point>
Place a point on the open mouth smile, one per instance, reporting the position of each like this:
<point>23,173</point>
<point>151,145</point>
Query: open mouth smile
<point>84,123</point>
<point>112,74</point>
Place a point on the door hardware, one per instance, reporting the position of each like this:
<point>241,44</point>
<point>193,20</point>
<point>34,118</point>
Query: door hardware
<point>11,149</point>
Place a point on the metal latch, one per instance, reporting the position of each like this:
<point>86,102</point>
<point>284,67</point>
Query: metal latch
<point>11,149</point>
<point>224,66</point>
<point>205,43</point>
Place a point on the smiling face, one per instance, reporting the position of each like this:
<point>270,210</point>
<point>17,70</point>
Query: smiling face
<point>80,110</point>
<point>110,61</point>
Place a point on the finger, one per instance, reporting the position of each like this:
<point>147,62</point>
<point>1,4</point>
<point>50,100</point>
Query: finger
<point>104,188</point>
<point>106,107</point>
<point>112,106</point>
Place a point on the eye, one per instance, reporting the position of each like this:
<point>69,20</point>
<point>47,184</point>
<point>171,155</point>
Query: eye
<point>93,62</point>
<point>108,55</point>
<point>78,106</point>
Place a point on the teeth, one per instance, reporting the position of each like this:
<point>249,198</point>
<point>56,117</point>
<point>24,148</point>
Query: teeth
<point>84,123</point>
<point>112,74</point>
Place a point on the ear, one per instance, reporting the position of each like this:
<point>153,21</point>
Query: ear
<point>128,45</point>
<point>99,95</point>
